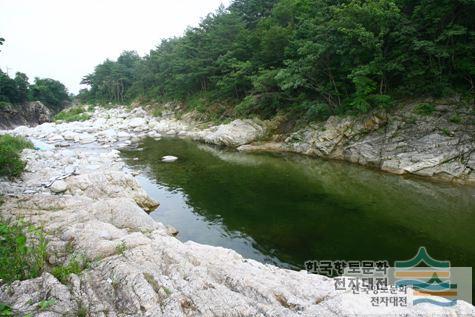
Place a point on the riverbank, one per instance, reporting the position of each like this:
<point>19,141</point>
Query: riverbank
<point>429,141</point>
<point>432,143</point>
<point>28,113</point>
<point>78,190</point>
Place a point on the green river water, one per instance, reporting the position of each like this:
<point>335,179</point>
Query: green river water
<point>287,209</point>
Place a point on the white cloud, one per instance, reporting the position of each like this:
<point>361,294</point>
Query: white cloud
<point>64,40</point>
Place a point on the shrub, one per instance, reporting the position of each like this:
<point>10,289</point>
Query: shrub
<point>22,252</point>
<point>157,112</point>
<point>121,248</point>
<point>5,310</point>
<point>46,303</point>
<point>455,119</point>
<point>74,266</point>
<point>198,102</point>
<point>11,164</point>
<point>425,109</point>
<point>72,114</point>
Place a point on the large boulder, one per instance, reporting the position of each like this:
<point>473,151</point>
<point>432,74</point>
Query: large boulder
<point>111,184</point>
<point>136,123</point>
<point>27,114</point>
<point>236,133</point>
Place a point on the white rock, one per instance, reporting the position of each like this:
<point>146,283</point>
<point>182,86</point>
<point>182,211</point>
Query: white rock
<point>59,187</point>
<point>169,159</point>
<point>236,133</point>
<point>86,138</point>
<point>69,135</point>
<point>137,122</point>
<point>109,133</point>
<point>56,138</point>
<point>122,135</point>
<point>100,185</point>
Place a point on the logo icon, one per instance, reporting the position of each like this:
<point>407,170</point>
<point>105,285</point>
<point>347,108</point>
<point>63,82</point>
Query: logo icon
<point>428,277</point>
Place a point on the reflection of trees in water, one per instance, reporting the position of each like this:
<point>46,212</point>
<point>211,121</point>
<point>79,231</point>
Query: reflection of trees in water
<point>306,208</point>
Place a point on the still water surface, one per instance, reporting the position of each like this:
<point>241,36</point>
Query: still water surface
<point>286,209</point>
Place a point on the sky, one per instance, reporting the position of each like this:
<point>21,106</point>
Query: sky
<point>65,40</point>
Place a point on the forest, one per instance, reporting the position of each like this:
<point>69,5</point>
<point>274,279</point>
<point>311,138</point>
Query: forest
<point>312,57</point>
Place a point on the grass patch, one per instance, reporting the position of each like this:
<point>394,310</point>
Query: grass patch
<point>167,291</point>
<point>22,252</point>
<point>3,104</point>
<point>5,310</point>
<point>455,119</point>
<point>424,109</point>
<point>121,248</point>
<point>45,304</point>
<point>74,266</point>
<point>72,114</point>
<point>447,132</point>
<point>157,112</point>
<point>82,311</point>
<point>11,164</point>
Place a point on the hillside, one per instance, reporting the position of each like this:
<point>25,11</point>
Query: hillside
<point>310,59</point>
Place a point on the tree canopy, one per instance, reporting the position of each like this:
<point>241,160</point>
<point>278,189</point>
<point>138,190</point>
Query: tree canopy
<point>319,57</point>
<point>18,90</point>
<point>49,91</point>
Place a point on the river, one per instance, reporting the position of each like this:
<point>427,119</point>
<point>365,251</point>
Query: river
<point>286,209</point>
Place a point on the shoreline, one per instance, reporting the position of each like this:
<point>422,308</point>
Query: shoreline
<point>382,141</point>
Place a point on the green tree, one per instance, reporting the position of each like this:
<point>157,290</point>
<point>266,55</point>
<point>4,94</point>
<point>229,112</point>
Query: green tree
<point>51,92</point>
<point>111,80</point>
<point>311,57</point>
<point>22,86</point>
<point>8,89</point>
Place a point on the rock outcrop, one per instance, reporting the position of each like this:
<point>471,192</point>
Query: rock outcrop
<point>30,113</point>
<point>403,142</point>
<point>136,267</point>
<point>234,134</point>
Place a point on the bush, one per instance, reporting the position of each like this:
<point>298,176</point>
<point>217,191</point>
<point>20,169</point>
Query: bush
<point>455,119</point>
<point>5,310</point>
<point>157,111</point>
<point>425,109</point>
<point>11,164</point>
<point>74,266</point>
<point>72,114</point>
<point>22,252</point>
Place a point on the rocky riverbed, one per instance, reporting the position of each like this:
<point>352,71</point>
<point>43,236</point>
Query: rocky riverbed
<point>78,190</point>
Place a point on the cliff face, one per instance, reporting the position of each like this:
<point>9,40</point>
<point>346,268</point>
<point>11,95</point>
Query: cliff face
<point>30,114</point>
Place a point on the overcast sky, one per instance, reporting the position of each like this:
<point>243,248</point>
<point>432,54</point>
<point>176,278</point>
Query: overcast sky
<point>64,40</point>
